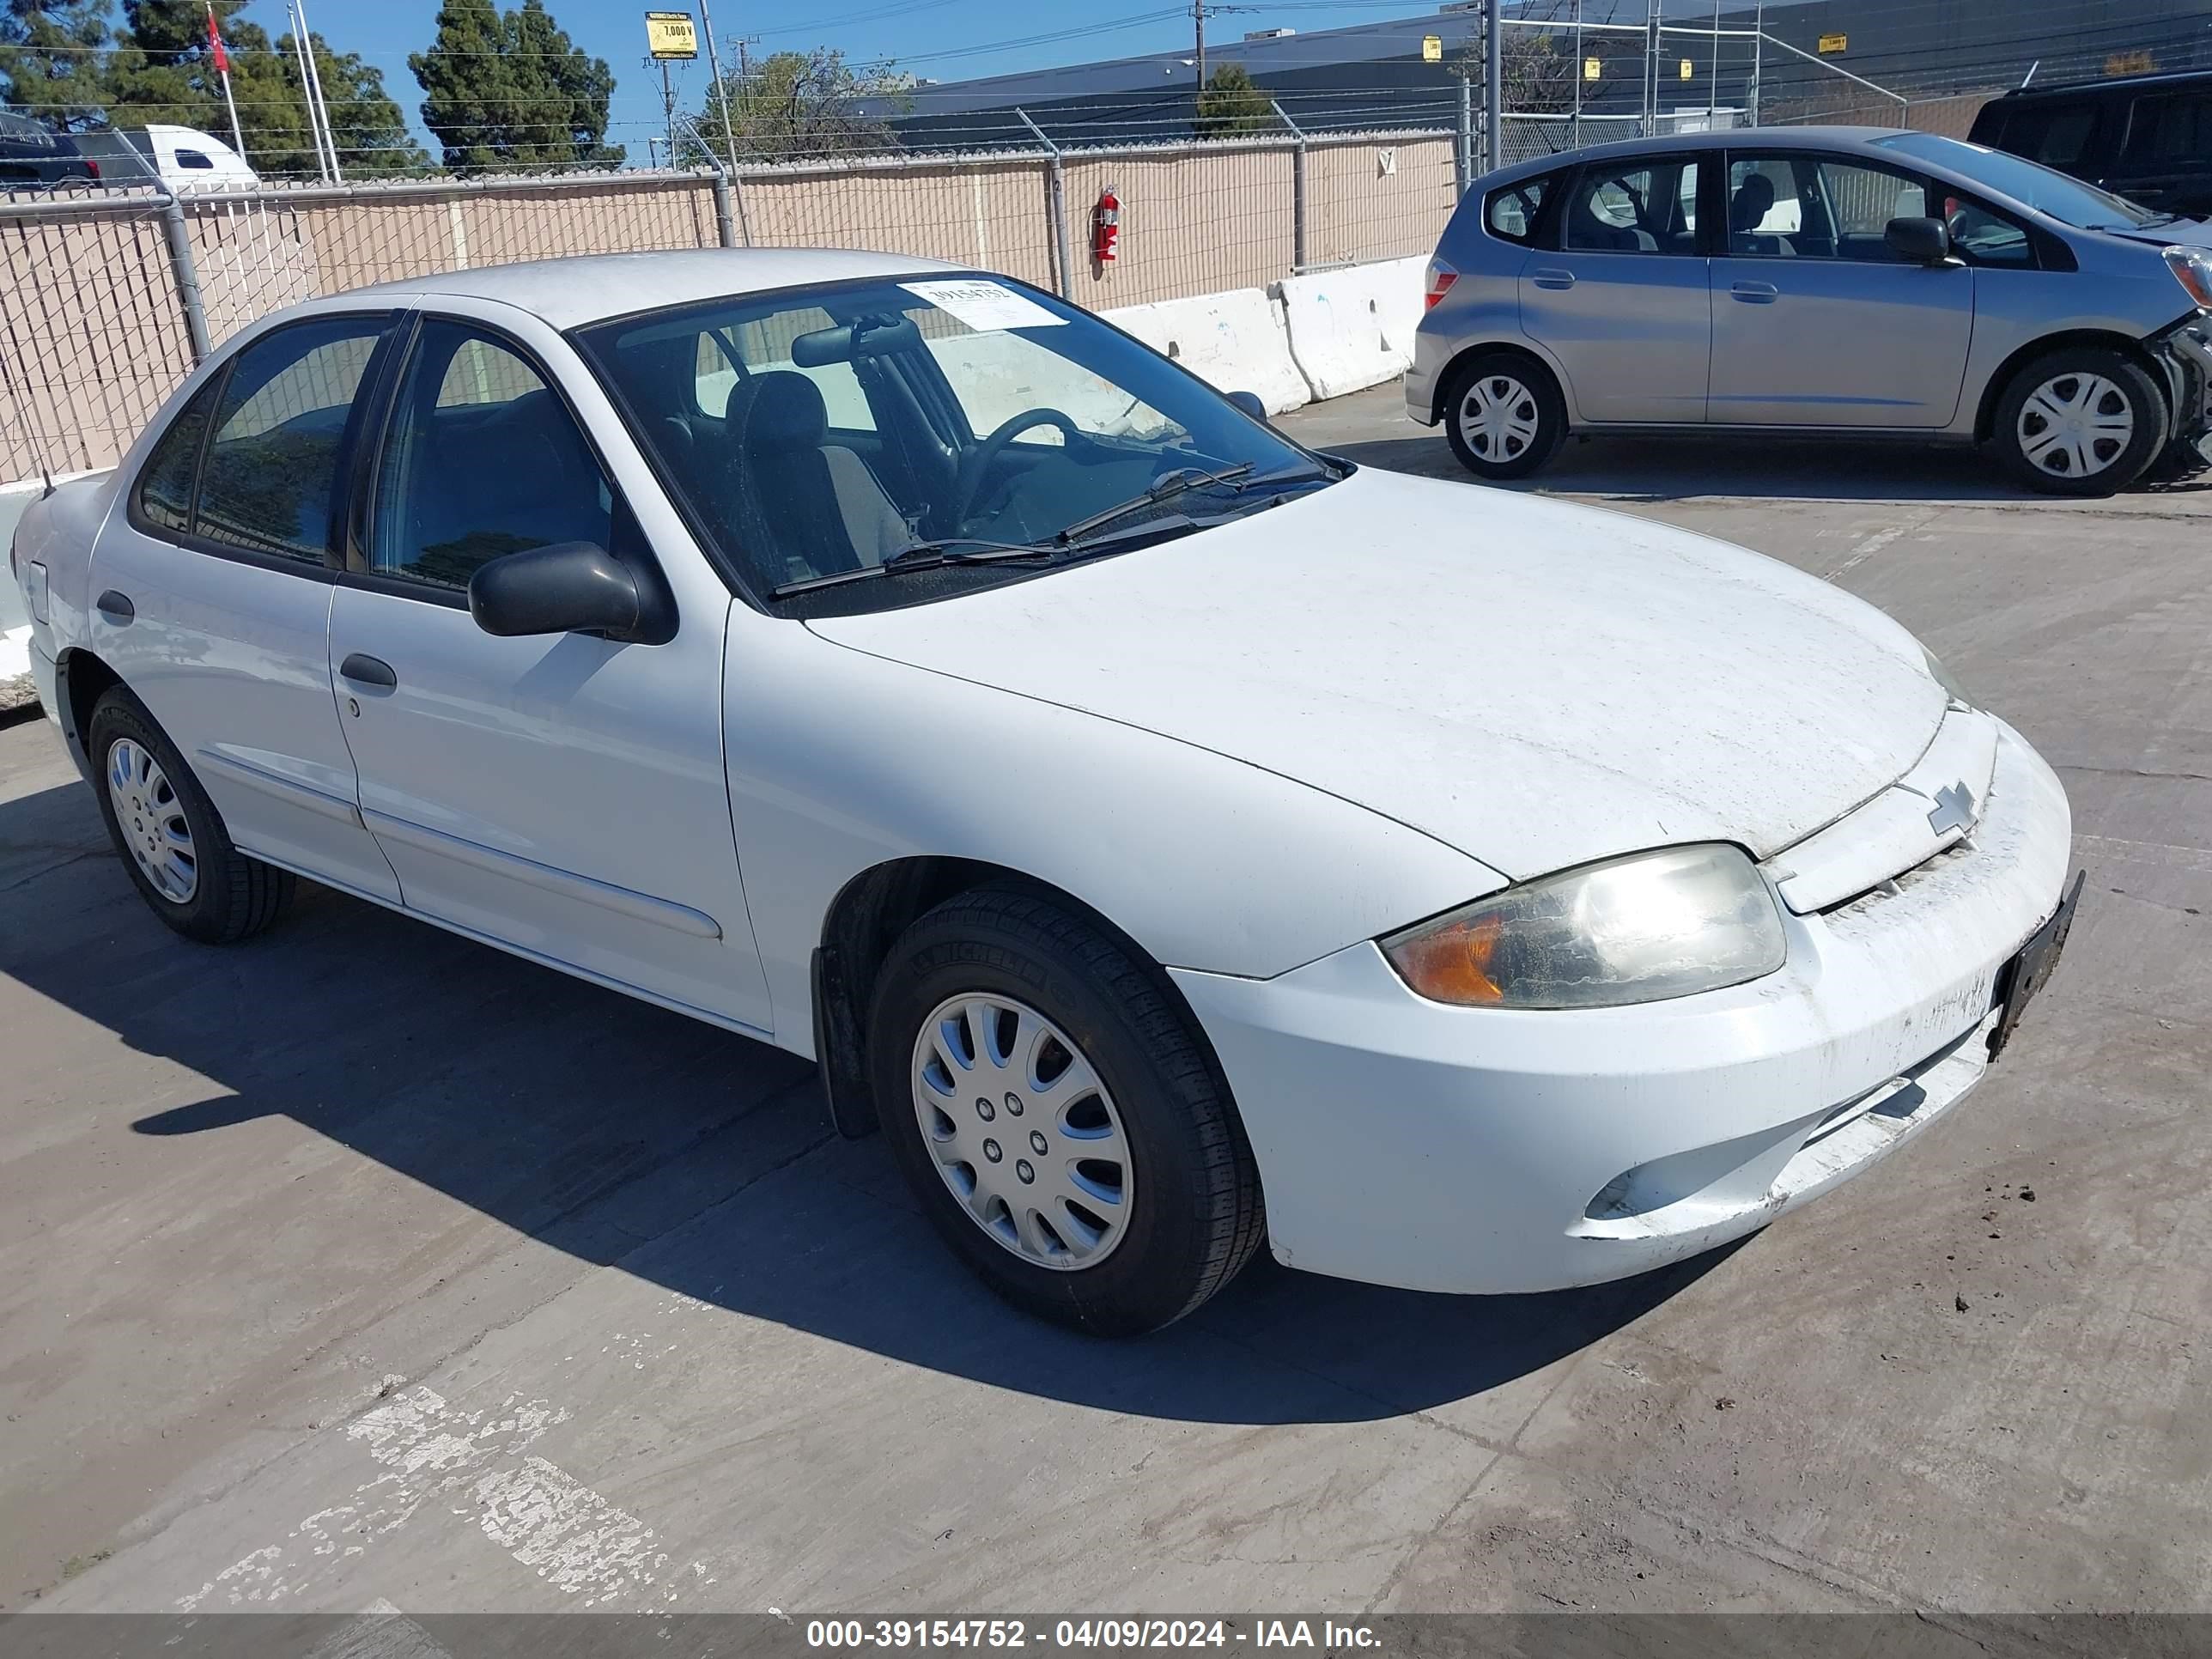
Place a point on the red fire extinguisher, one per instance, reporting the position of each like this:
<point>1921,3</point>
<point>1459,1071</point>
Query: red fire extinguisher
<point>1105,225</point>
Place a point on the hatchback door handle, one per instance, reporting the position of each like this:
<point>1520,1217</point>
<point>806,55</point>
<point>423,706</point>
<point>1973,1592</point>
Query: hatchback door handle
<point>368,670</point>
<point>1754,293</point>
<point>1552,276</point>
<point>116,607</point>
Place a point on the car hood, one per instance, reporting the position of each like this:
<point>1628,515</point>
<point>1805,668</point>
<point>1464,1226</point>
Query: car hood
<point>1533,684</point>
<point>2183,232</point>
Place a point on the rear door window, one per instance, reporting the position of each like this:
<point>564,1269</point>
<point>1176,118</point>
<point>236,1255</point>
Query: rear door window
<point>1635,206</point>
<point>268,479</point>
<point>2173,130</point>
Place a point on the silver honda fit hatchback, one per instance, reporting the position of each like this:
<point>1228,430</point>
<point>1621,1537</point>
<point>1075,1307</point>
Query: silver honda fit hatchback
<point>1818,280</point>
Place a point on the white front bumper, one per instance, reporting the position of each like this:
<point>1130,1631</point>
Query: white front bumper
<point>1408,1143</point>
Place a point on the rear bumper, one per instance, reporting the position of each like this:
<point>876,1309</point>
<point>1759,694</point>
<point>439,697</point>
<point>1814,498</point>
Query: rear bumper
<point>1407,1143</point>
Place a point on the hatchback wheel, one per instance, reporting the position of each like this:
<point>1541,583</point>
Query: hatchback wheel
<point>1058,1115</point>
<point>1503,415</point>
<point>171,837</point>
<point>2081,422</point>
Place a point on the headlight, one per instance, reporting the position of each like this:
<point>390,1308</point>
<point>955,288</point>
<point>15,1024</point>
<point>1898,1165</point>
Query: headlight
<point>1636,929</point>
<point>1944,677</point>
<point>2192,269</point>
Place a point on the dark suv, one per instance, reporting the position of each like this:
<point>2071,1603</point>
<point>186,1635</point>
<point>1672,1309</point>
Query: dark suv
<point>33,156</point>
<point>2147,136</point>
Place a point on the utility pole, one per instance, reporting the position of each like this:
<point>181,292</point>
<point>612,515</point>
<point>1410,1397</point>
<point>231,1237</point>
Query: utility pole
<point>721,87</point>
<point>1198,25</point>
<point>667,104</point>
<point>1493,86</point>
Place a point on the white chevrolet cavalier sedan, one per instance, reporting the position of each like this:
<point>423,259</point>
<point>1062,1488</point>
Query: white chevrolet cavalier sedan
<point>1169,837</point>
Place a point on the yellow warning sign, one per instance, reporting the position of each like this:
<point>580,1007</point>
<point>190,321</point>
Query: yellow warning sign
<point>1432,49</point>
<point>1832,43</point>
<point>1688,69</point>
<point>669,34</point>
<point>1593,69</point>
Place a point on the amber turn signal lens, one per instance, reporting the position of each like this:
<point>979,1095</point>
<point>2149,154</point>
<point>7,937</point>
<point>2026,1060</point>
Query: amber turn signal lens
<point>1452,964</point>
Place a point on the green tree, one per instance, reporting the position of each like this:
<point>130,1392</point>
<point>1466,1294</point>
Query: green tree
<point>509,90</point>
<point>53,63</point>
<point>1230,103</point>
<point>163,72</point>
<point>801,103</point>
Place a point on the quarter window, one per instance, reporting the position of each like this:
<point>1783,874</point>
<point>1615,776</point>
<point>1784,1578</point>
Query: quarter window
<point>165,488</point>
<point>482,458</point>
<point>270,472</point>
<point>1512,212</point>
<point>1651,208</point>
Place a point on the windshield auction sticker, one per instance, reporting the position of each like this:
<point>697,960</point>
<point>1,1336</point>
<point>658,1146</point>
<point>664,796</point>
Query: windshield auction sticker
<point>983,305</point>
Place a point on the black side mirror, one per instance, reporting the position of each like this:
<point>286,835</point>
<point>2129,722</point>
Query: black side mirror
<point>1249,402</point>
<point>570,587</point>
<point>1923,241</point>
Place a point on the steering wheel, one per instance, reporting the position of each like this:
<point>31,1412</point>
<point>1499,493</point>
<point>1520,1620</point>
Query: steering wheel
<point>977,461</point>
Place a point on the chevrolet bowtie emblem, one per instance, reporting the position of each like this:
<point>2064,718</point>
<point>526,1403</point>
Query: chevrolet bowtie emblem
<point>1953,809</point>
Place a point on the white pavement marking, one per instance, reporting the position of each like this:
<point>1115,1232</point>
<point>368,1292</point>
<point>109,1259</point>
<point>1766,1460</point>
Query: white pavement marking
<point>549,1521</point>
<point>381,1632</point>
<point>1870,545</point>
<point>2145,852</point>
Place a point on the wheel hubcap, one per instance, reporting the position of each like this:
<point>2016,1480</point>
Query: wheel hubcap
<point>1497,418</point>
<point>1023,1131</point>
<point>2074,426</point>
<point>152,820</point>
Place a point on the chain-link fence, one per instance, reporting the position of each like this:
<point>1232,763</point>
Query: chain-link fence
<point>107,299</point>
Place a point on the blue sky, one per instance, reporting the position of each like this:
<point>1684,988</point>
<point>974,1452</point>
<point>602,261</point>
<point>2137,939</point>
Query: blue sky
<point>386,31</point>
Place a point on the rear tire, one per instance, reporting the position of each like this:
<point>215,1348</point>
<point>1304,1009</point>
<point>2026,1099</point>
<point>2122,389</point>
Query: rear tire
<point>170,839</point>
<point>1503,415</point>
<point>2080,421</point>
<point>1049,1100</point>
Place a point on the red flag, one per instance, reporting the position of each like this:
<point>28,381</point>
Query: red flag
<point>215,44</point>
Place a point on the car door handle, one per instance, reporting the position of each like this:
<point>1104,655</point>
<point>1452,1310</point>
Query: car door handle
<point>116,607</point>
<point>1754,293</point>
<point>368,670</point>
<point>1552,276</point>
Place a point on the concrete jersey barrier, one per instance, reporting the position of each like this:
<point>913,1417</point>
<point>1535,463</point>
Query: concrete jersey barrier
<point>1353,328</point>
<point>1235,342</point>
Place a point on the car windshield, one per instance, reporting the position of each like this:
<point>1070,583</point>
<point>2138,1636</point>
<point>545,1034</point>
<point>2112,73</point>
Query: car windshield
<point>929,430</point>
<point>2029,183</point>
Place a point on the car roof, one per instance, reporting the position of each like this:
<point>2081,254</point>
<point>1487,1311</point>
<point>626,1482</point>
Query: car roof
<point>1675,144</point>
<point>584,289</point>
<point>2119,86</point>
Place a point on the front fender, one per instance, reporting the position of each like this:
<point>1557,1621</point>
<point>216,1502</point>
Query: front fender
<point>840,761</point>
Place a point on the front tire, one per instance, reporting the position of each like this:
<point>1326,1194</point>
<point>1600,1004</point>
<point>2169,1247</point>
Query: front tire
<point>172,840</point>
<point>2082,421</point>
<point>1058,1115</point>
<point>1503,415</point>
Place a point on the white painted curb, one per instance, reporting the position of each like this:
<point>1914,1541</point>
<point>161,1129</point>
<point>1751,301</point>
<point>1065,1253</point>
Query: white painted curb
<point>1235,342</point>
<point>1353,328</point>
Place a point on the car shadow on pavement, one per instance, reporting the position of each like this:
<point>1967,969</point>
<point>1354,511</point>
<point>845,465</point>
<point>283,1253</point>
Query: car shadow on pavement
<point>1670,469</point>
<point>630,1136</point>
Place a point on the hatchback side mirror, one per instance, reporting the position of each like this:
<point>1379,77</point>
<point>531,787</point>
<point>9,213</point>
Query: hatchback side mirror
<point>1249,402</point>
<point>570,587</point>
<point>1923,241</point>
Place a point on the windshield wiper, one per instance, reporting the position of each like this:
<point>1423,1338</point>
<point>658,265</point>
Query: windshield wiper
<point>1165,488</point>
<point>923,556</point>
<point>1169,485</point>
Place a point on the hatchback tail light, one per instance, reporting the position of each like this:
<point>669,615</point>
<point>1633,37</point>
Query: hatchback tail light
<point>91,166</point>
<point>1441,278</point>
